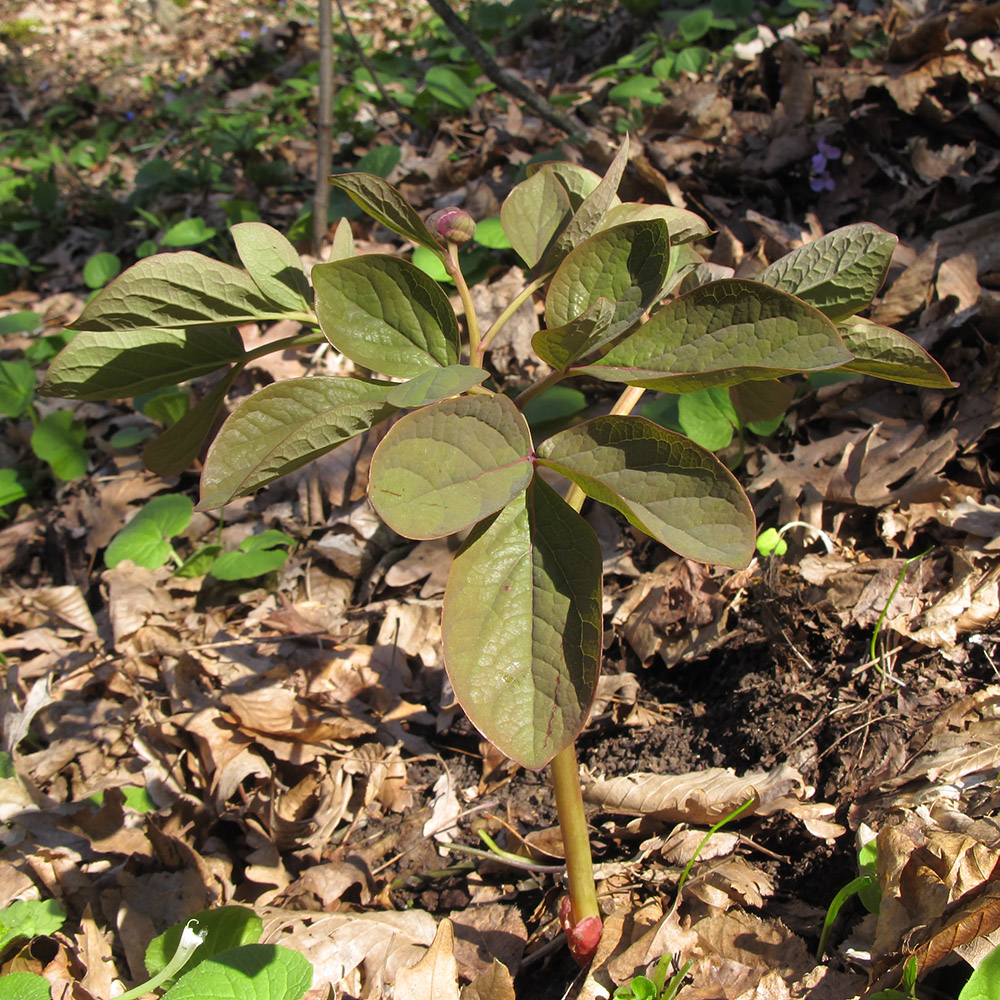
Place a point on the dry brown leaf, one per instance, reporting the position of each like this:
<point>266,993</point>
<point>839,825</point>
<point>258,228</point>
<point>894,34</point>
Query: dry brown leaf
<point>958,276</point>
<point>489,933</point>
<point>277,711</point>
<point>444,810</point>
<point>435,975</point>
<point>494,983</point>
<point>731,881</point>
<point>700,797</point>
<point>762,945</point>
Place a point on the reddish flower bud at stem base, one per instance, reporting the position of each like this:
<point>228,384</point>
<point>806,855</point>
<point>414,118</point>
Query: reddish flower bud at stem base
<point>582,937</point>
<point>452,224</point>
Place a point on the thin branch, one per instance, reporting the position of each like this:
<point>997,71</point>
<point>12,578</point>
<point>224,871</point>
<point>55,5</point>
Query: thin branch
<point>324,130</point>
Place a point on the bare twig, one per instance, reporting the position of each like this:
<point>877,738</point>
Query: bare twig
<point>324,131</point>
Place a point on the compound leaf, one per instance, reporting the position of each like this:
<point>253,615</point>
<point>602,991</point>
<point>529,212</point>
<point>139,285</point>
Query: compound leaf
<point>282,427</point>
<point>889,354</point>
<point>377,197</point>
<point>720,334</point>
<point>626,265</point>
<point>533,213</point>
<point>522,625</point>
<point>273,264</point>
<point>113,364</point>
<point>666,485</point>
<point>450,464</point>
<point>250,972</point>
<point>839,273</point>
<point>386,314</point>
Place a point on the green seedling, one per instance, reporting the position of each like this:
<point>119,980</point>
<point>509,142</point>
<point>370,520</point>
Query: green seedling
<point>29,918</point>
<point>875,657</point>
<point>627,303</point>
<point>657,988</point>
<point>865,886</point>
<point>909,984</point>
<point>214,954</point>
<point>771,541</point>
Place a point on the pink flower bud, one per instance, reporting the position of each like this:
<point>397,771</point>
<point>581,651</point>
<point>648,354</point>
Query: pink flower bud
<point>452,224</point>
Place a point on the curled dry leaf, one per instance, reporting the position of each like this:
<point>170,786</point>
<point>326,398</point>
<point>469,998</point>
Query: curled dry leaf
<point>277,711</point>
<point>495,983</point>
<point>435,975</point>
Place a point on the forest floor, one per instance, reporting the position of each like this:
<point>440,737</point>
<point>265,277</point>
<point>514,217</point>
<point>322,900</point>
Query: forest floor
<point>294,748</point>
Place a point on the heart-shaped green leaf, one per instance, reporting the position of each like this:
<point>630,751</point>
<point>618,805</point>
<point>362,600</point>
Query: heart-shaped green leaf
<point>251,972</point>
<point>225,927</point>
<point>385,204</point>
<point>626,265</point>
<point>386,314</point>
<point>889,354</point>
<point>177,291</point>
<point>257,555</point>
<point>58,439</point>
<point>562,345</point>
<point>435,384</point>
<point>178,446</point>
<point>24,986</point>
<point>839,273</point>
<point>282,427</point>
<point>720,334</point>
<point>273,264</point>
<point>113,364</point>
<point>146,538</point>
<point>449,465</point>
<point>666,485</point>
<point>522,625</point>
<point>533,213</point>
<point>684,226</point>
<point>17,387</point>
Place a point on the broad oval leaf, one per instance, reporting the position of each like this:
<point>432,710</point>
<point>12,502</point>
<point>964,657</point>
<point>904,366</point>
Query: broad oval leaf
<point>839,273</point>
<point>522,625</point>
<point>449,465</point>
<point>665,484</point>
<point>24,986</point>
<point>533,213</point>
<point>146,538</point>
<point>562,345</point>
<point>889,354</point>
<point>113,364</point>
<point>626,265</point>
<point>273,264</point>
<point>435,384</point>
<point>251,972</point>
<point>225,927</point>
<point>177,291</point>
<point>386,314</point>
<point>720,334</point>
<point>58,439</point>
<point>578,181</point>
<point>684,226</point>
<point>377,197</point>
<point>282,427</point>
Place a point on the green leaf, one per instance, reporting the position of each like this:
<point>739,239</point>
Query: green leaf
<point>431,264</point>
<point>381,160</point>
<point>100,269</point>
<point>770,543</point>
<point>227,927</point>
<point>20,322</point>
<point>489,233</point>
<point>178,446</point>
<point>24,986</point>
<point>282,427</point>
<point>839,273</point>
<point>252,972</point>
<point>708,417</point>
<point>343,241</point>
<point>586,218</point>
<point>534,212</point>
<point>695,25</point>
<point>522,625</point>
<point>113,364</point>
<point>58,439</point>
<point>17,387</point>
<point>578,181</point>
<point>694,59</point>
<point>450,464</point>
<point>557,403</point>
<point>560,346</point>
<point>199,562</point>
<point>645,88</point>
<point>435,384</point>
<point>722,333</point>
<point>386,205</point>
<point>146,538</point>
<point>166,406</point>
<point>449,88</point>
<point>386,314</point>
<point>684,226</point>
<point>188,233</point>
<point>626,265</point>
<point>667,486</point>
<point>273,264</point>
<point>29,918</point>
<point>44,349</point>
<point>889,354</point>
<point>177,291</point>
<point>13,486</point>
<point>257,555</point>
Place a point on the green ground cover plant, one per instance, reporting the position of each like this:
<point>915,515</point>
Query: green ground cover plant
<point>629,302</point>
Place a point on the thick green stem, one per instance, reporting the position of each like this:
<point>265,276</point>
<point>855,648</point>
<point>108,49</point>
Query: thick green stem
<point>455,271</point>
<point>539,387</point>
<point>299,340</point>
<point>565,772</point>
